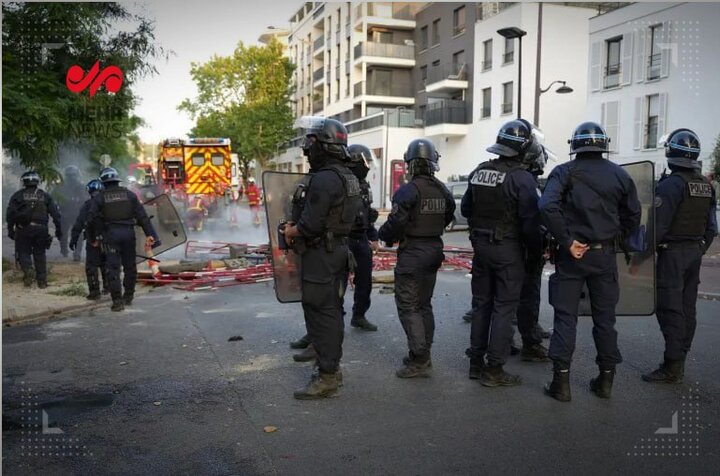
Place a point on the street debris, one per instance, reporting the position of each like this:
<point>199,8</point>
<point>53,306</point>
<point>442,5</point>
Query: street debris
<point>235,338</point>
<point>270,429</point>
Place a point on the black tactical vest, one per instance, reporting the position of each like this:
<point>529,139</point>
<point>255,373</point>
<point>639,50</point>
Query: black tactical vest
<point>428,219</point>
<point>362,221</point>
<point>491,209</point>
<point>342,214</point>
<point>298,199</point>
<point>117,207</point>
<point>34,207</point>
<point>690,218</point>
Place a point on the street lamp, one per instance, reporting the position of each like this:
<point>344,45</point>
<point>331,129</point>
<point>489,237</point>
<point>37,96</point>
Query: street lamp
<point>564,89</point>
<point>511,33</point>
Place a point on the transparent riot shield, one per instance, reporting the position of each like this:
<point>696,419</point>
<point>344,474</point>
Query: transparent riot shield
<point>167,224</point>
<point>279,189</point>
<point>636,263</point>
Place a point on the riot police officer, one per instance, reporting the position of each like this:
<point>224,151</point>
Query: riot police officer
<point>588,204</point>
<point>685,226</point>
<point>332,200</point>
<point>27,222</point>
<point>421,209</point>
<point>112,214</point>
<point>94,257</point>
<point>501,206</point>
<point>70,196</point>
<point>363,238</point>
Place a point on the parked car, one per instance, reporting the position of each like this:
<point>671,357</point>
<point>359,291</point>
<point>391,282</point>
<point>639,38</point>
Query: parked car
<point>458,190</point>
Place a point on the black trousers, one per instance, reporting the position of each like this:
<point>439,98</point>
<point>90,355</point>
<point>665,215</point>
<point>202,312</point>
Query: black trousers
<point>95,260</point>
<point>120,252</point>
<point>68,218</point>
<point>528,311</point>
<point>498,271</point>
<point>415,275</point>
<point>360,248</point>
<point>324,275</point>
<point>31,245</point>
<point>678,277</point>
<point>597,269</point>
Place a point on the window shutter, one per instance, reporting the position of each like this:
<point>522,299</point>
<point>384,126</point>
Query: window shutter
<point>637,131</point>
<point>627,56</point>
<point>665,50</point>
<point>641,35</point>
<point>611,118</point>
<point>595,66</point>
<point>662,114</point>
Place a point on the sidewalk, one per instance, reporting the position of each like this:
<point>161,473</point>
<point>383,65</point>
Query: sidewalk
<point>710,273</point>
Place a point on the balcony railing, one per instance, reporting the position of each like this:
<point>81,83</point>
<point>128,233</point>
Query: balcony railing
<point>317,44</point>
<point>486,65</point>
<point>612,75</point>
<point>458,29</point>
<point>319,11</point>
<point>446,112</point>
<point>317,105</point>
<point>506,107</point>
<point>384,50</point>
<point>457,72</point>
<point>485,112</point>
<point>654,61</point>
<point>508,57</point>
<point>651,133</point>
<point>395,118</point>
<point>392,89</point>
<point>392,10</point>
<point>318,74</point>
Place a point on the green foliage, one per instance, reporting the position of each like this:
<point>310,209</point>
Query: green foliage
<point>245,97</point>
<point>715,158</point>
<point>75,289</point>
<point>41,41</point>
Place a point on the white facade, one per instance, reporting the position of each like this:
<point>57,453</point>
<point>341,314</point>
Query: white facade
<point>563,58</point>
<point>665,76</point>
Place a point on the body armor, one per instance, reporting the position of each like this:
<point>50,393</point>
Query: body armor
<point>690,220</point>
<point>363,219</point>
<point>342,215</point>
<point>34,207</point>
<point>492,210</point>
<point>298,198</point>
<point>428,220</point>
<point>117,207</point>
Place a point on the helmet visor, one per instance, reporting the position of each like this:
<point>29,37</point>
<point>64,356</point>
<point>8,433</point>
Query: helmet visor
<point>309,124</point>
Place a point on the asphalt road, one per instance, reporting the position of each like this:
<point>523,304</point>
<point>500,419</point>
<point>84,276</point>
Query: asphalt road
<point>159,389</point>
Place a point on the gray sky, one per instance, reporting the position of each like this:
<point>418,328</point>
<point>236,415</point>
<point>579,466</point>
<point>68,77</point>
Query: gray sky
<point>195,30</point>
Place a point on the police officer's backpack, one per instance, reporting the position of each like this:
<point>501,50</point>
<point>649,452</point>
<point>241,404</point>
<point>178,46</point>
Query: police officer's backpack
<point>31,207</point>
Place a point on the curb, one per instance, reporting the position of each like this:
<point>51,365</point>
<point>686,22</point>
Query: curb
<point>709,296</point>
<point>45,316</point>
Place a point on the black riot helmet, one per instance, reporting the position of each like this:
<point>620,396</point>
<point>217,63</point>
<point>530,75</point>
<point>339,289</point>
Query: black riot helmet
<point>109,175</point>
<point>682,148</point>
<point>513,138</point>
<point>360,159</point>
<point>30,179</point>
<point>330,135</point>
<point>71,173</point>
<point>421,157</point>
<point>94,186</point>
<point>536,158</point>
<point>589,137</point>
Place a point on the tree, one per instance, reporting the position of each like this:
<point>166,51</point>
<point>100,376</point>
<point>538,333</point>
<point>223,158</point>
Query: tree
<point>246,97</point>
<point>715,158</point>
<point>41,116</point>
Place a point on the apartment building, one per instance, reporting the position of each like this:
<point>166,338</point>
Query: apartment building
<point>653,68</point>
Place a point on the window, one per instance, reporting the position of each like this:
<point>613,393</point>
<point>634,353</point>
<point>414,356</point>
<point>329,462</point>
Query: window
<point>337,89</point>
<point>458,61</point>
<point>423,38</point>
<point>382,36</point>
<point>198,160</point>
<point>347,86</point>
<point>509,55</point>
<point>348,49</point>
<point>507,105</point>
<point>487,55</point>
<point>651,122</point>
<point>436,32</point>
<point>217,160</point>
<point>458,191</point>
<point>655,58</point>
<point>382,82</point>
<point>423,78</point>
<point>486,103</point>
<point>459,21</point>
<point>612,68</point>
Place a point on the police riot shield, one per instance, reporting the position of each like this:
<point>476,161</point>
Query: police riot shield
<point>636,256</point>
<point>279,189</point>
<point>167,224</point>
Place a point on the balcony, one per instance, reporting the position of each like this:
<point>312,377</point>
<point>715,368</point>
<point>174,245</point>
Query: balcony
<point>318,75</point>
<point>319,11</point>
<point>318,44</point>
<point>389,15</point>
<point>447,77</point>
<point>612,76</point>
<point>399,94</point>
<point>447,118</point>
<point>388,54</point>
<point>393,118</point>
<point>317,105</point>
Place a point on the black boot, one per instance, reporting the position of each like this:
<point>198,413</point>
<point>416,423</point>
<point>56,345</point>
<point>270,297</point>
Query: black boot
<point>93,285</point>
<point>559,388</point>
<point>301,343</point>
<point>117,305</point>
<point>307,355</point>
<point>28,278</point>
<point>542,332</point>
<point>670,371</point>
<point>94,296</point>
<point>42,283</point>
<point>495,376</point>
<point>128,298</point>
<point>602,384</point>
<point>413,369</point>
<point>362,323</point>
<point>534,353</point>
<point>477,367</point>
<point>468,316</point>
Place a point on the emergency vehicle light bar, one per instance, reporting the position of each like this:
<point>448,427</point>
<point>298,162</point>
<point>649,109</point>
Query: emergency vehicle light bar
<point>210,140</point>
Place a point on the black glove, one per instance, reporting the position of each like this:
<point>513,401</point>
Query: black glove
<point>11,234</point>
<point>48,242</point>
<point>73,245</point>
